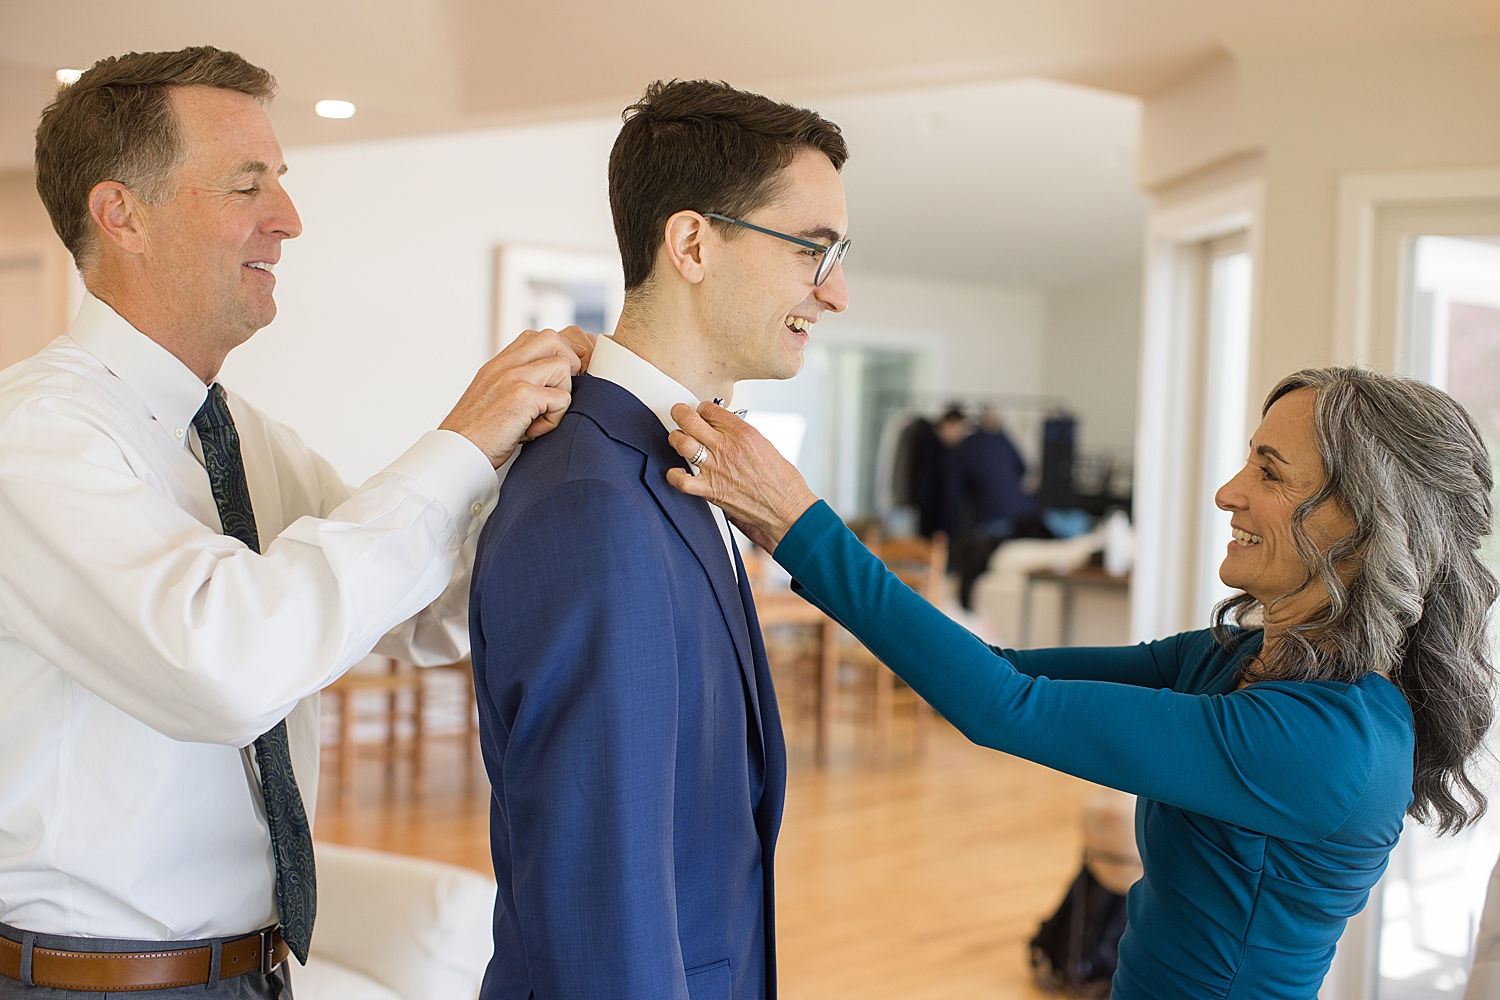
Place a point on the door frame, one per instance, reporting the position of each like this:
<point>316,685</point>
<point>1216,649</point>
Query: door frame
<point>1168,471</point>
<point>1365,329</point>
<point>62,290</point>
<point>1368,303</point>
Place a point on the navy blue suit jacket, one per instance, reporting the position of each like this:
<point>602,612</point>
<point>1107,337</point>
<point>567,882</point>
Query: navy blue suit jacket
<point>628,723</point>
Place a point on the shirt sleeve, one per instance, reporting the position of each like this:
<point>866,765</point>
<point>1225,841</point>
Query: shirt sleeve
<point>107,577</point>
<point>1149,664</point>
<point>572,655</point>
<point>1259,758</point>
<point>439,633</point>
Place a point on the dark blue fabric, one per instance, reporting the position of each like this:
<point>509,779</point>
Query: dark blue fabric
<point>1265,814</point>
<point>628,725</point>
<point>989,471</point>
<point>286,817</point>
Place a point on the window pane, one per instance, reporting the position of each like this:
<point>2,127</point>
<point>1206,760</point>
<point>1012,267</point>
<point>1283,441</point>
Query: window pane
<point>1434,888</point>
<point>1225,401</point>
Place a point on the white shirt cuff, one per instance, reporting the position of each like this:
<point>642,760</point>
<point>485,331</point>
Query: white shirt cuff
<point>453,469</point>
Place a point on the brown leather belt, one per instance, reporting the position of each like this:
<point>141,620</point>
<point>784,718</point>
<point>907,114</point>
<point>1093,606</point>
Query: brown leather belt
<point>98,971</point>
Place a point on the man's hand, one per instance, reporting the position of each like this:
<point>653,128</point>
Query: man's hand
<point>522,392</point>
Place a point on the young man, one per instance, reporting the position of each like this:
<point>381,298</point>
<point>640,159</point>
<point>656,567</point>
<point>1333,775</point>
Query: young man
<point>629,724</point>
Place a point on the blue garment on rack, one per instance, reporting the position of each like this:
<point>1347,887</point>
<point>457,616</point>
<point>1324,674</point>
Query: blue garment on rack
<point>989,471</point>
<point>1265,816</point>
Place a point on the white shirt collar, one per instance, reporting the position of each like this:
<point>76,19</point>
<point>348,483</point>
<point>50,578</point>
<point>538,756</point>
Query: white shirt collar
<point>167,386</point>
<point>660,392</point>
<point>639,377</point>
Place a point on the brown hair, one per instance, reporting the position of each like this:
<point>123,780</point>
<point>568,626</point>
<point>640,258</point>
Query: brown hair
<point>697,145</point>
<point>116,124</point>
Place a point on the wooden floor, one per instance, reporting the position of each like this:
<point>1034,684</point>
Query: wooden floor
<point>921,880</point>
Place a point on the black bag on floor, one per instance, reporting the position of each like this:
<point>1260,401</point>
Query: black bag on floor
<point>1077,948</point>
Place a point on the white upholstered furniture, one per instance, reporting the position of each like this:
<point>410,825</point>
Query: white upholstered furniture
<point>392,927</point>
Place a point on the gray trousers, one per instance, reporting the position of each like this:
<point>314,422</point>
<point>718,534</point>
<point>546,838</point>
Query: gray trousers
<point>276,985</point>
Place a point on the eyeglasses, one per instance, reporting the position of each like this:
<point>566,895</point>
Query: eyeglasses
<point>831,254</point>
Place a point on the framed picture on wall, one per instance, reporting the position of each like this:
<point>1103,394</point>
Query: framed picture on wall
<point>538,288</point>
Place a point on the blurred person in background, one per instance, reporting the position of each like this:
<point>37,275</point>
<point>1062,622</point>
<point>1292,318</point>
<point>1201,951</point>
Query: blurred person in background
<point>989,471</point>
<point>1276,754</point>
<point>181,574</point>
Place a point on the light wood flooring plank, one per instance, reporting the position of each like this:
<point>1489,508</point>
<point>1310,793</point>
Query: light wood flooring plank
<point>921,881</point>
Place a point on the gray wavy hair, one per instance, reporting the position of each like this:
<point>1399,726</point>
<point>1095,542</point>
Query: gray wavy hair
<point>1407,464</point>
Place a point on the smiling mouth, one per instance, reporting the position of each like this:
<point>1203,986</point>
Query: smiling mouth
<point>797,324</point>
<point>1244,537</point>
<point>261,265</point>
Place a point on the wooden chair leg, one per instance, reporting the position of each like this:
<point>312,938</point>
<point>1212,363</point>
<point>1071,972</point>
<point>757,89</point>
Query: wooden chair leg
<point>924,724</point>
<point>346,750</point>
<point>391,706</point>
<point>828,684</point>
<point>470,728</point>
<point>885,701</point>
<point>419,736</point>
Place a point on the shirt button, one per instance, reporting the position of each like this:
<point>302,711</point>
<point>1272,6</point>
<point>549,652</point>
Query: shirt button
<point>179,432</point>
<point>478,508</point>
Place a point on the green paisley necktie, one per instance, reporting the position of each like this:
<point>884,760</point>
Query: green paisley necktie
<point>291,840</point>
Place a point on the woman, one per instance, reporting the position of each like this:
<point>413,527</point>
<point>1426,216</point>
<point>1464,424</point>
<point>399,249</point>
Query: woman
<point>1274,757</point>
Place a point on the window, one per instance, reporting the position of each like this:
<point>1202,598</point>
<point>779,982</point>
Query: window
<point>1226,336</point>
<point>1449,335</point>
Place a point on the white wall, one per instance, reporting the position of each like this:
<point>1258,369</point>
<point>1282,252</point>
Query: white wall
<point>970,338</point>
<point>1302,120</point>
<point>983,338</point>
<point>385,300</point>
<point>1092,353</point>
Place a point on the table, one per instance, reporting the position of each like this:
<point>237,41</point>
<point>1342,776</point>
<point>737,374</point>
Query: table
<point>782,607</point>
<point>1084,576</point>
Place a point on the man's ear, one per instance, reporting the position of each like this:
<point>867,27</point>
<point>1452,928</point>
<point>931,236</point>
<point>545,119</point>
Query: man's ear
<point>686,232</point>
<point>117,216</point>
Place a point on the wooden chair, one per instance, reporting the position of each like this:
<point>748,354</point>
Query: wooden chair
<point>463,671</point>
<point>393,683</point>
<point>802,650</point>
<point>921,565</point>
<point>398,679</point>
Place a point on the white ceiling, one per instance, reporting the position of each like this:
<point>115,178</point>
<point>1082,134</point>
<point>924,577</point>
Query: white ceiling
<point>964,162</point>
<point>1021,182</point>
<point>417,66</point>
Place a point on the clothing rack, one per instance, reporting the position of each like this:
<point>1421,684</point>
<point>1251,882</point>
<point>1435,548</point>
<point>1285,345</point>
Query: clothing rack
<point>935,400</point>
<point>1023,416</point>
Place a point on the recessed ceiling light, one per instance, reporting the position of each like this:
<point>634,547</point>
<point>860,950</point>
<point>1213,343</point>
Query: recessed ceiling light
<point>334,109</point>
<point>67,76</point>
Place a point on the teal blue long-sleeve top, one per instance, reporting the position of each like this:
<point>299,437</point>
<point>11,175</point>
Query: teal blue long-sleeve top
<point>1265,814</point>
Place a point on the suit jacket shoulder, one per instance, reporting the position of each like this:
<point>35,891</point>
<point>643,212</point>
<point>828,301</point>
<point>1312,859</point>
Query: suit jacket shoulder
<point>582,447</point>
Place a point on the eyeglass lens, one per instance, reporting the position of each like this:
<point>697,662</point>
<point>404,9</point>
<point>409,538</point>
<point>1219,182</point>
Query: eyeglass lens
<point>830,260</point>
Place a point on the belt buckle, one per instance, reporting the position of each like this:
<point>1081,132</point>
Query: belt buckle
<point>267,951</point>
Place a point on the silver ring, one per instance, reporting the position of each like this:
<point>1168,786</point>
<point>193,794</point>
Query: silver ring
<point>697,460</point>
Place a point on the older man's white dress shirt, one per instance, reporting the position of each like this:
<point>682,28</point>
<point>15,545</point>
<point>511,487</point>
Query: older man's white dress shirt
<point>141,649</point>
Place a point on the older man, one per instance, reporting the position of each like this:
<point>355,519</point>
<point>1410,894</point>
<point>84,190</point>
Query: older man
<point>181,574</point>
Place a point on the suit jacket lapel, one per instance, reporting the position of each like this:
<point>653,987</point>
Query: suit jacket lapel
<point>694,521</point>
<point>626,419</point>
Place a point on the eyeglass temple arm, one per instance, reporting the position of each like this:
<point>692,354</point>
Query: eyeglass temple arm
<point>771,232</point>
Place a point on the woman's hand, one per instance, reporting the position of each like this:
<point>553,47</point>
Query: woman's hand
<point>740,471</point>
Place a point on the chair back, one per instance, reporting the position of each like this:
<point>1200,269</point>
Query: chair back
<point>921,564</point>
